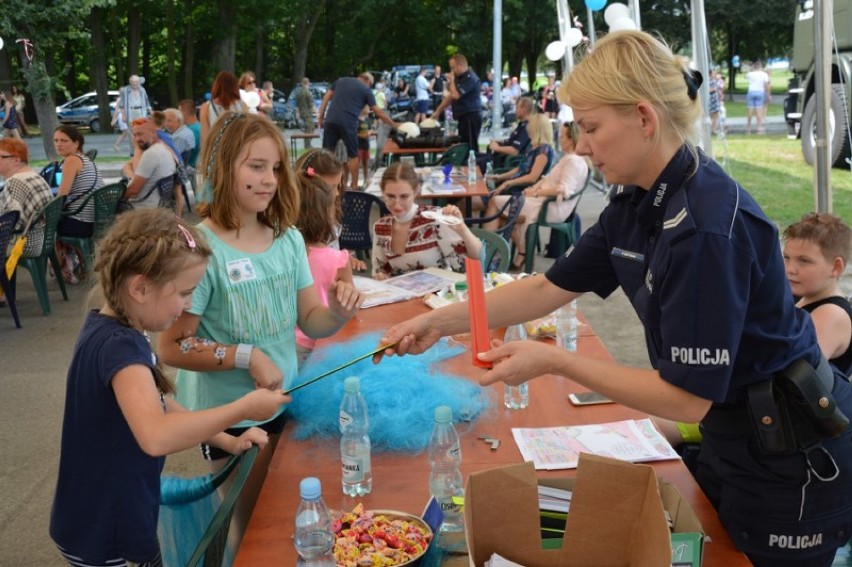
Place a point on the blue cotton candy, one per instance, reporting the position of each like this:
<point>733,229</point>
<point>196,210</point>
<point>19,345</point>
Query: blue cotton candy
<point>401,394</point>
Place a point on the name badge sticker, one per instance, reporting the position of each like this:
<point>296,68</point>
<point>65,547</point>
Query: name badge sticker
<point>627,254</point>
<point>241,270</point>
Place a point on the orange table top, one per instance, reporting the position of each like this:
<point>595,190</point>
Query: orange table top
<point>400,481</point>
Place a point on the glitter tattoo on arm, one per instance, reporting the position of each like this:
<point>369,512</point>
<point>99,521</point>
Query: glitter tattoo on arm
<point>195,344</point>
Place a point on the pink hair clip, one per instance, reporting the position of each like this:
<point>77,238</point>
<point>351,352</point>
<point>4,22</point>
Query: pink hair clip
<point>190,241</point>
<point>310,171</point>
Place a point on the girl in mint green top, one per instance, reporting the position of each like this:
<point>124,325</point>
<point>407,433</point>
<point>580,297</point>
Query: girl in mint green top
<point>239,333</point>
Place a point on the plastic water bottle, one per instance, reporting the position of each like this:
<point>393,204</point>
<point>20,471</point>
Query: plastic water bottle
<point>445,478</point>
<point>566,326</point>
<point>489,176</point>
<point>516,397</point>
<point>471,167</point>
<point>314,538</point>
<point>355,440</point>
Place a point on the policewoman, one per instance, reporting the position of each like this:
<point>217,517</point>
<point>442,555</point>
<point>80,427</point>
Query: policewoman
<point>702,266</point>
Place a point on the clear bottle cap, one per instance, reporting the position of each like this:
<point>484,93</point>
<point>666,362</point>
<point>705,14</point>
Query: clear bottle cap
<point>443,414</point>
<point>310,488</point>
<point>352,385</point>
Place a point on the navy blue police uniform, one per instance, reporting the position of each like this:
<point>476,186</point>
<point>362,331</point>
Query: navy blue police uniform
<point>702,266</point>
<point>467,109</point>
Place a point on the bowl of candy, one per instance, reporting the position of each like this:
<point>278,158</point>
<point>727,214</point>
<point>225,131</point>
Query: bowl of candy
<point>379,537</point>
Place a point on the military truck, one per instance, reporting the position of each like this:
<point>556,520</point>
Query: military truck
<point>800,104</point>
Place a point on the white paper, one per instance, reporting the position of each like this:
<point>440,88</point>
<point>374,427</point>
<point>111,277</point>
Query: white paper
<point>552,448</point>
<point>404,287</point>
<point>499,561</point>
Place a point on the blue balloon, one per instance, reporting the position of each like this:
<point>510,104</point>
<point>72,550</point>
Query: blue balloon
<point>595,4</point>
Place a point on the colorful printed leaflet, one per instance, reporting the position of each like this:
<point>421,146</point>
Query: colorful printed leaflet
<point>551,448</point>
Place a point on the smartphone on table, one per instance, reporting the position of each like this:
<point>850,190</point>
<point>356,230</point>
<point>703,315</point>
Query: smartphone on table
<point>588,399</point>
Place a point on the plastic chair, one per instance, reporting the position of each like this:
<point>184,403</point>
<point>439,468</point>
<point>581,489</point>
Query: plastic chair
<point>7,225</point>
<point>563,234</point>
<point>106,200</point>
<point>215,539</point>
<point>512,210</point>
<point>456,155</point>
<point>356,233</point>
<point>37,265</point>
<point>92,154</point>
<point>498,253</point>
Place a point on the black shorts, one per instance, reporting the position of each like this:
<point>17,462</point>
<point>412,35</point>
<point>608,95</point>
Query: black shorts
<point>274,427</point>
<point>335,132</point>
<point>69,226</point>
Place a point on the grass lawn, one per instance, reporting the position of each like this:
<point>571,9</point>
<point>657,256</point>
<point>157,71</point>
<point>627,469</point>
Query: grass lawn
<point>772,170</point>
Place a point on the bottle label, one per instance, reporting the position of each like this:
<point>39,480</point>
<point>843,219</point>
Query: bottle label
<point>454,452</point>
<point>354,469</point>
<point>345,419</point>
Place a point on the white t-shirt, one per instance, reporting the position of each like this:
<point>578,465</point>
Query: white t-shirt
<point>156,162</point>
<point>757,81</point>
<point>422,87</point>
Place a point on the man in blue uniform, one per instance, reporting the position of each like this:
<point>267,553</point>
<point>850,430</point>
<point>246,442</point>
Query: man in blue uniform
<point>463,88</point>
<point>702,266</point>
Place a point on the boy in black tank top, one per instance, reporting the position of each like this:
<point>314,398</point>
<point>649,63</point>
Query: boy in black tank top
<point>816,251</point>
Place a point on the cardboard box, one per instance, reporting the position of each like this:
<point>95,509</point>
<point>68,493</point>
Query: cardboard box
<point>616,518</point>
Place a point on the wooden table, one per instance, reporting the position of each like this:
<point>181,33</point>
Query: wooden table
<point>400,481</point>
<point>391,149</point>
<point>477,189</point>
<point>304,138</point>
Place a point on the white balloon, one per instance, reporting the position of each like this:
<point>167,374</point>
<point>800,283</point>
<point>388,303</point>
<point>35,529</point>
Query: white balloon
<point>573,37</point>
<point>622,24</point>
<point>555,50</point>
<point>614,12</point>
<point>1,43</point>
<point>251,98</point>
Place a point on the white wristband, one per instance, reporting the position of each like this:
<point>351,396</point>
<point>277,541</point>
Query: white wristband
<point>242,358</point>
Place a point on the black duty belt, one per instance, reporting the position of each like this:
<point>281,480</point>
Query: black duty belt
<point>791,411</point>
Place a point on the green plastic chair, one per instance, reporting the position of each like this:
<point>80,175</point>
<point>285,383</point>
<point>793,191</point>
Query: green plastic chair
<point>563,234</point>
<point>106,200</point>
<point>494,245</point>
<point>37,265</point>
<point>456,155</point>
<point>215,539</point>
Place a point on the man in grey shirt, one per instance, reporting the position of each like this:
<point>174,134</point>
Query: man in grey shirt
<point>156,162</point>
<point>350,96</point>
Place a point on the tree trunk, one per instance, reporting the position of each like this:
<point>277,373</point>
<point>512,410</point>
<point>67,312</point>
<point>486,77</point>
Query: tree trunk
<point>171,79</point>
<point>117,60</point>
<point>259,41</point>
<point>225,45</point>
<point>99,69</point>
<point>70,63</point>
<point>134,35</point>
<point>188,51</point>
<point>39,85</point>
<point>308,18</point>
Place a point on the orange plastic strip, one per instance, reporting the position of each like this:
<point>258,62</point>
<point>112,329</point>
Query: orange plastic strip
<point>479,334</point>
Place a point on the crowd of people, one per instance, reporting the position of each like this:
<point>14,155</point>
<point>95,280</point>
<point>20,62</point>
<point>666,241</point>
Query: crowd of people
<point>239,300</point>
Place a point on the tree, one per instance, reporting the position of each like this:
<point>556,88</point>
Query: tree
<point>37,23</point>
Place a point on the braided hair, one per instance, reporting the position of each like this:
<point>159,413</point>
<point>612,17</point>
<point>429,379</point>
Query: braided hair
<point>153,243</point>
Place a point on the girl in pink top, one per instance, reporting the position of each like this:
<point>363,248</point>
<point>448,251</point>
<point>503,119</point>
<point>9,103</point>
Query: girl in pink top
<point>318,219</point>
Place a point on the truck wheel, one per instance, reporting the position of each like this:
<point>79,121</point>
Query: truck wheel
<point>838,119</point>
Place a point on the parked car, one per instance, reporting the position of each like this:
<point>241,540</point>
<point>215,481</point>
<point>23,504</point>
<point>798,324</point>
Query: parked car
<point>289,115</point>
<point>83,110</point>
